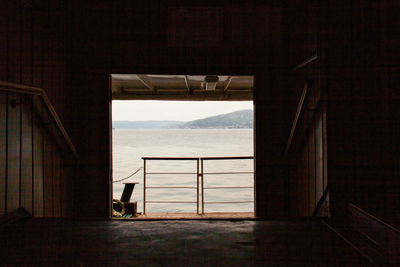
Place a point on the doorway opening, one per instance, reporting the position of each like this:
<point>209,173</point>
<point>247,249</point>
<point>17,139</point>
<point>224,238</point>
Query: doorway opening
<point>184,144</point>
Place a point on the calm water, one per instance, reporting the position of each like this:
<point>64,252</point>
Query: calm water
<point>129,146</point>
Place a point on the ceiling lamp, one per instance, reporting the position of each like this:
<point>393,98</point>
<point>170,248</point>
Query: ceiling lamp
<point>211,82</point>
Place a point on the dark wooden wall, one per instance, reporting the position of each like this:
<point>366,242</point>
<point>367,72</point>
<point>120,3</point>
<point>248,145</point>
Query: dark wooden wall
<point>304,162</point>
<point>306,153</point>
<point>356,47</point>
<point>357,44</point>
<point>70,48</point>
<point>363,115</point>
<point>33,51</point>
<point>35,174</point>
<point>134,37</point>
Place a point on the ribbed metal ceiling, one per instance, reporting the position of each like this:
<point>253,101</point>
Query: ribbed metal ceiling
<point>180,87</point>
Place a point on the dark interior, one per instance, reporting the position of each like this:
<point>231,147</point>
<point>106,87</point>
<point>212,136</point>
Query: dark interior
<point>326,100</point>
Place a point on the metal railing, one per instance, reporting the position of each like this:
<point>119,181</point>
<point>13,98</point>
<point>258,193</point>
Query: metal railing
<point>199,179</point>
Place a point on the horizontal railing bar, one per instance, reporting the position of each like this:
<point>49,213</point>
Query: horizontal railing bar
<point>191,187</point>
<point>227,187</point>
<point>171,202</point>
<point>169,158</point>
<point>196,173</point>
<point>224,202</point>
<point>226,158</point>
<point>228,172</point>
<point>192,158</point>
<point>171,172</point>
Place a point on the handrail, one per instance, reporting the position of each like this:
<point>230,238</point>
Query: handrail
<point>226,158</point>
<point>30,90</point>
<point>227,172</point>
<point>305,62</point>
<point>191,187</point>
<point>171,173</point>
<point>372,217</point>
<point>194,158</point>
<point>169,158</point>
<point>297,117</point>
<point>226,187</point>
<point>200,174</point>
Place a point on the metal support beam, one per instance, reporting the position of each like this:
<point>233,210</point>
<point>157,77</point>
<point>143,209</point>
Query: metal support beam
<point>228,83</point>
<point>145,81</point>
<point>190,90</point>
<point>235,95</point>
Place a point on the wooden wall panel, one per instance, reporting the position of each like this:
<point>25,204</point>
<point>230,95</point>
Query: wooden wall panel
<point>304,182</point>
<point>295,190</point>
<point>31,159</point>
<point>14,42</point>
<point>32,52</point>
<point>302,30</point>
<point>3,149</point>
<point>319,164</point>
<point>37,57</point>
<point>47,61</point>
<point>324,148</point>
<point>38,200</point>
<point>56,184</point>
<point>33,45</point>
<point>64,200</point>
<point>3,42</point>
<point>306,152</point>
<point>26,154</point>
<point>66,191</point>
<point>13,151</point>
<point>26,42</point>
<point>69,203</point>
<point>311,171</point>
<point>310,168</point>
<point>48,175</point>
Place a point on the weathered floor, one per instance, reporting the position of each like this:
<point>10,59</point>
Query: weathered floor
<point>174,243</point>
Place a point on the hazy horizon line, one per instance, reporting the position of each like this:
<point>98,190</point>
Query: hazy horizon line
<point>177,120</point>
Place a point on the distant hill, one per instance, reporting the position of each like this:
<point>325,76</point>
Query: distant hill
<point>237,119</point>
<point>145,124</point>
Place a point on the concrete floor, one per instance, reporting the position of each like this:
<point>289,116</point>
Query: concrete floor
<point>174,243</point>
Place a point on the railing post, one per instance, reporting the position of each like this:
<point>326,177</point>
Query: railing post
<point>144,186</point>
<point>198,175</point>
<point>202,186</point>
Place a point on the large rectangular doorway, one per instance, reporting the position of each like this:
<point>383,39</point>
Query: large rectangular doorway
<point>185,143</point>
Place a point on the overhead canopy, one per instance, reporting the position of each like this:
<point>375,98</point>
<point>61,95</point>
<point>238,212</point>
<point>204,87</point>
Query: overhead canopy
<point>180,87</point>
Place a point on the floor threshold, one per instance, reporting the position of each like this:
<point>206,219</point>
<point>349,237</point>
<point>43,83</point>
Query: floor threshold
<point>192,216</point>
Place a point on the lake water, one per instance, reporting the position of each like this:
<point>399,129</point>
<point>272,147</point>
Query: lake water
<point>129,146</point>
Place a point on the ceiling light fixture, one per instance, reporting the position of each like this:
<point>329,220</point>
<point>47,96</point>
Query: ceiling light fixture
<point>211,82</point>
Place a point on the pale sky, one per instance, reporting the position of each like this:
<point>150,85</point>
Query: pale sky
<point>140,110</point>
